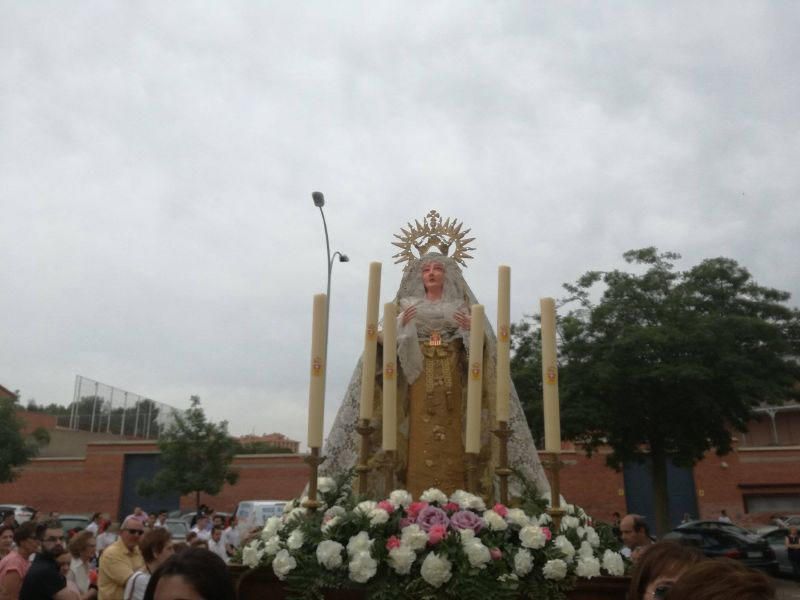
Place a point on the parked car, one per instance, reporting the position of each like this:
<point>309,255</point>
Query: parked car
<point>717,526</point>
<point>718,542</point>
<point>178,528</point>
<point>776,538</point>
<point>74,522</point>
<point>254,513</point>
<point>22,513</point>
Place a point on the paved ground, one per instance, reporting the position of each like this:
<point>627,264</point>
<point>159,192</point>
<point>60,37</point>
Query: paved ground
<point>787,589</point>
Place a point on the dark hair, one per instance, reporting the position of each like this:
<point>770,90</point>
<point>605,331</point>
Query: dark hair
<point>24,532</point>
<point>79,542</point>
<point>206,572</point>
<point>640,523</point>
<point>153,543</point>
<point>722,579</point>
<point>661,558</point>
<point>4,528</point>
<point>49,524</point>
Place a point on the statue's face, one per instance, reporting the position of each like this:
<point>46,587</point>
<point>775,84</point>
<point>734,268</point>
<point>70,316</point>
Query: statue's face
<point>433,275</point>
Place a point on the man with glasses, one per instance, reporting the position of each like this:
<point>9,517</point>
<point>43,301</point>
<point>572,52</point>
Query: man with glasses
<point>44,580</point>
<point>120,560</point>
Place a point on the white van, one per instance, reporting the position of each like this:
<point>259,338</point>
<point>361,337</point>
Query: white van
<point>254,513</point>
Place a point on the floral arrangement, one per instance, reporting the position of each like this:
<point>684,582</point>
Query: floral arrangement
<point>434,547</point>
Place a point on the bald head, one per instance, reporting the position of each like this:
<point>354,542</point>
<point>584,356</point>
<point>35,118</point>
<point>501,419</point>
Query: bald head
<point>634,531</point>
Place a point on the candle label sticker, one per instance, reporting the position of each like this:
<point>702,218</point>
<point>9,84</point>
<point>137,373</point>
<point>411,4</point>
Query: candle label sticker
<point>388,371</point>
<point>502,333</point>
<point>316,366</point>
<point>552,375</point>
<point>372,330</point>
<point>475,371</point>
<point>435,339</point>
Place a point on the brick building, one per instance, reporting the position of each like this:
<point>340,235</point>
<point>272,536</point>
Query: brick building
<point>276,440</point>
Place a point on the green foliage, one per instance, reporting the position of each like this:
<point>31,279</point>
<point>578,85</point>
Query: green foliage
<point>526,372</point>
<point>259,448</point>
<point>15,450</point>
<point>195,456</point>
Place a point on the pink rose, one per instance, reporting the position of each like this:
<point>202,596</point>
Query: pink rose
<point>466,519</point>
<point>451,507</point>
<point>547,533</point>
<point>430,516</point>
<point>495,553</point>
<point>436,534</point>
<point>500,509</point>
<point>386,505</point>
<point>392,542</point>
<point>416,508</point>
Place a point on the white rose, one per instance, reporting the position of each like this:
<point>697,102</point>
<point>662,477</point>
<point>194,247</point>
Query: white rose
<point>271,527</point>
<point>588,567</point>
<point>468,501</point>
<point>378,517</point>
<point>545,519</point>
<point>523,563</point>
<point>251,556</point>
<point>400,498</point>
<point>477,554</point>
<point>567,549</point>
<point>362,567</point>
<point>366,507</point>
<point>613,563</point>
<point>295,540</point>
<point>555,569</point>
<point>568,522</point>
<point>413,537</point>
<point>433,495</point>
<point>330,523</point>
<point>494,521</point>
<point>401,559</point>
<point>272,545</point>
<point>586,550</point>
<point>282,564</point>
<point>329,554</point>
<point>592,537</point>
<point>326,484</point>
<point>532,536</point>
<point>517,516</point>
<point>359,543</point>
<point>466,536</point>
<point>436,570</point>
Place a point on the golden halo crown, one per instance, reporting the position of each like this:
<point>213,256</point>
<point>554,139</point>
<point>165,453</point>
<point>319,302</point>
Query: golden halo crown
<point>433,235</point>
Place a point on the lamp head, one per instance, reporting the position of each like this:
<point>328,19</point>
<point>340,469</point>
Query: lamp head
<point>343,258</point>
<point>319,199</point>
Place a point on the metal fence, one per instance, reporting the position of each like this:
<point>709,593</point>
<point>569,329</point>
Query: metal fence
<point>102,408</point>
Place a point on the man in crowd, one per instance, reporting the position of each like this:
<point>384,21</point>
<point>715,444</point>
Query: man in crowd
<point>230,536</point>
<point>216,545</point>
<point>94,525</point>
<point>161,520</point>
<point>201,528</point>
<point>9,520</point>
<point>17,562</point>
<point>44,579</point>
<point>120,560</point>
<point>635,536</point>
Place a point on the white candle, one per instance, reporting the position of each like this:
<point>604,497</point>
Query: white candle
<point>316,389</point>
<point>552,417</point>
<point>475,380</point>
<point>503,342</point>
<point>390,376</point>
<point>370,342</point>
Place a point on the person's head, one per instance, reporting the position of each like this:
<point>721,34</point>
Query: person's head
<point>202,521</point>
<point>138,511</point>
<point>8,519</point>
<point>151,519</point>
<point>723,512</point>
<point>216,533</point>
<point>162,515</point>
<point>191,536</point>
<point>51,538</point>
<point>96,517</point>
<point>634,531</point>
<point>194,574</point>
<point>26,539</point>
<point>793,530</point>
<point>659,568</point>
<point>156,546</point>
<point>83,545</point>
<point>722,579</point>
<point>218,520</point>
<point>63,560</point>
<point>6,539</point>
<point>198,543</point>
<point>131,532</point>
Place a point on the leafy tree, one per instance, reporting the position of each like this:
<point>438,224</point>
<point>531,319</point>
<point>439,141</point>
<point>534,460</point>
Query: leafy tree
<point>526,372</point>
<point>15,449</point>
<point>667,363</point>
<point>259,448</point>
<point>196,456</point>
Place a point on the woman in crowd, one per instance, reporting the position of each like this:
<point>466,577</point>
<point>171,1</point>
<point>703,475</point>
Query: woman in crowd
<point>722,579</point>
<point>156,547</point>
<point>792,542</point>
<point>64,561</point>
<point>6,540</point>
<point>14,566</point>
<point>82,548</point>
<point>194,574</point>
<point>659,568</point>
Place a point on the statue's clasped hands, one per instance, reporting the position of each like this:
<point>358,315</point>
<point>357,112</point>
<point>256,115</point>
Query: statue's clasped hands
<point>463,319</point>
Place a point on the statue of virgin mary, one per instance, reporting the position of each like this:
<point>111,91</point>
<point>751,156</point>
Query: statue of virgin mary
<point>433,326</point>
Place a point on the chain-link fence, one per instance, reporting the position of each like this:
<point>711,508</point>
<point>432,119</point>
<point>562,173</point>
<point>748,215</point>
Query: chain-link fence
<point>102,408</point>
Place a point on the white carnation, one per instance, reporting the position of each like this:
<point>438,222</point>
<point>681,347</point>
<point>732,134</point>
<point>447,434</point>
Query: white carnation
<point>568,522</point>
<point>517,516</point>
<point>433,495</point>
<point>295,540</point>
<point>272,545</point>
<point>592,537</point>
<point>613,563</point>
<point>523,562</point>
<point>586,550</point>
<point>282,564</point>
<point>401,559</point>
<point>554,569</point>
<point>414,537</point>
<point>329,554</point>
<point>466,536</point>
<point>330,523</point>
<point>468,501</point>
<point>545,519</point>
<point>271,527</point>
<point>378,516</point>
<point>335,511</point>
<point>362,567</point>
<point>400,498</point>
<point>366,507</point>
<point>532,536</point>
<point>477,554</point>
<point>566,547</point>
<point>494,521</point>
<point>296,514</point>
<point>326,484</point>
<point>251,555</point>
<point>436,570</point>
<point>570,508</point>
<point>588,567</point>
<point>359,543</point>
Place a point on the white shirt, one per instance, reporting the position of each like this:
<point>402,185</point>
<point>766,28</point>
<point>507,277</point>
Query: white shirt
<point>218,548</point>
<point>231,537</point>
<point>104,540</point>
<point>92,527</point>
<point>202,534</point>
<point>136,586</point>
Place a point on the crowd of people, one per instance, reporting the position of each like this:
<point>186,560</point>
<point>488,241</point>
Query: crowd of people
<point>112,561</point>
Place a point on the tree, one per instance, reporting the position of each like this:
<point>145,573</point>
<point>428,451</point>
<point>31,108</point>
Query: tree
<point>196,456</point>
<point>15,450</point>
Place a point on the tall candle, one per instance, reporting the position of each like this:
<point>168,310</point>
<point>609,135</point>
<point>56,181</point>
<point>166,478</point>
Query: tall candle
<point>503,342</point>
<point>552,417</point>
<point>370,342</point>
<point>316,389</point>
<point>390,376</point>
<point>475,380</point>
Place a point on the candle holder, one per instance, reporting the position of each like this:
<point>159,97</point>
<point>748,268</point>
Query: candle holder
<point>554,465</point>
<point>388,472</point>
<point>314,460</point>
<point>472,472</point>
<point>503,434</point>
<point>364,429</point>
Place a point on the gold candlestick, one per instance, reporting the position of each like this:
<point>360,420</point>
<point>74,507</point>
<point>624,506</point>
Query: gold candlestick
<point>364,429</point>
<point>314,460</point>
<point>503,433</point>
<point>554,466</point>
<point>388,473</point>
<point>472,472</point>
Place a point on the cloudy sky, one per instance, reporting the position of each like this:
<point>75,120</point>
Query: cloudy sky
<point>157,162</point>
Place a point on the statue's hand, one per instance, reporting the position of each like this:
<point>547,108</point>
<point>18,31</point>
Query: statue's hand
<point>408,314</point>
<point>464,320</point>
